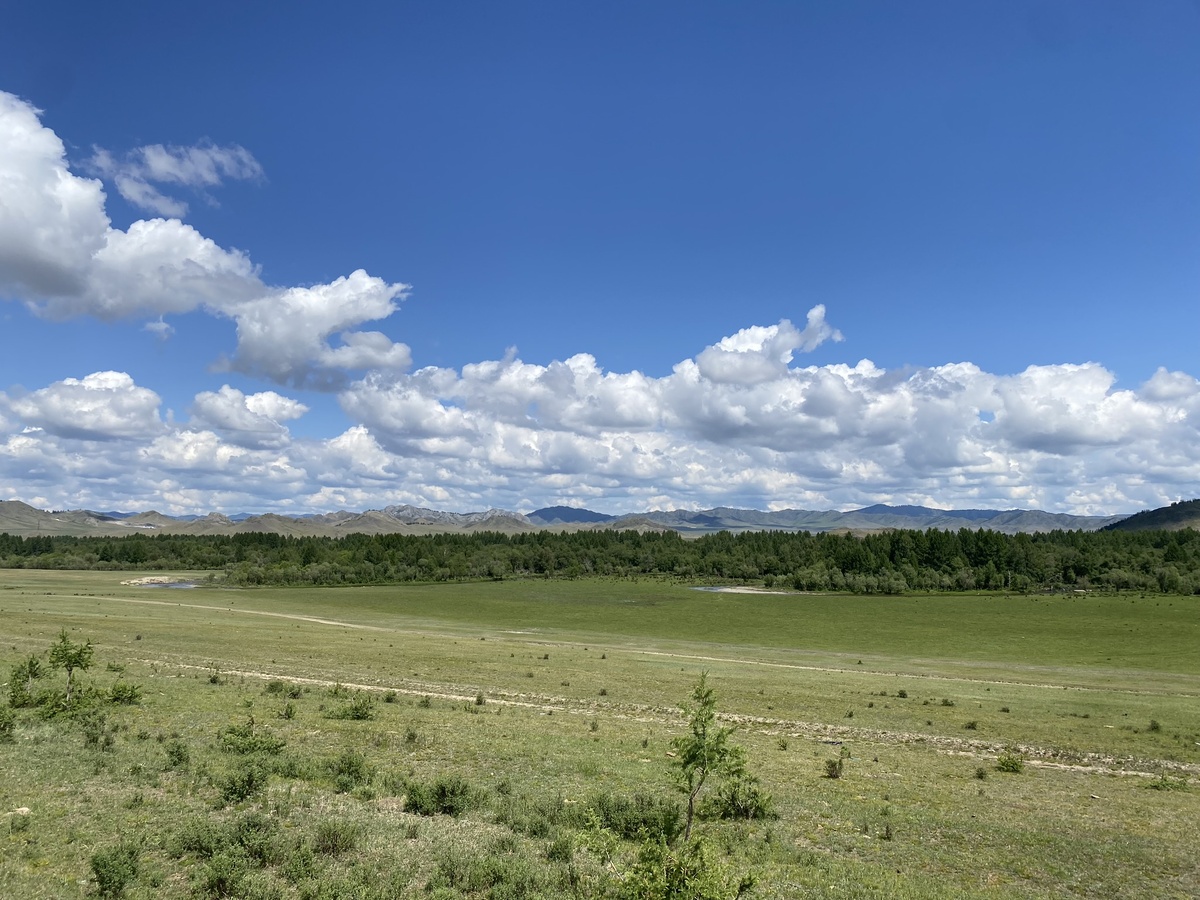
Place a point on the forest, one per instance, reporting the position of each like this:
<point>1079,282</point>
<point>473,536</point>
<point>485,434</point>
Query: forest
<point>888,562</point>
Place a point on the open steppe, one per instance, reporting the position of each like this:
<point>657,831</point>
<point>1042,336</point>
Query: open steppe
<point>548,702</point>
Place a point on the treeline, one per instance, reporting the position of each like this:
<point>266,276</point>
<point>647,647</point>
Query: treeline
<point>891,562</point>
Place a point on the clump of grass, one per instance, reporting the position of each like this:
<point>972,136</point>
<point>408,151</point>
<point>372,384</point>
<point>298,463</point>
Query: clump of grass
<point>1154,726</point>
<point>335,837</point>
<point>480,699</point>
<point>972,725</point>
<point>946,701</point>
<point>425,703</point>
<point>274,686</point>
<point>834,768</point>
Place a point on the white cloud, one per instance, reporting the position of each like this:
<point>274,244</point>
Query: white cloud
<point>247,421</point>
<point>103,406</point>
<point>60,255</point>
<point>200,166</point>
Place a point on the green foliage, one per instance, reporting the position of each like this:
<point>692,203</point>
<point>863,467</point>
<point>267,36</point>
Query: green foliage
<point>246,739</point>
<point>688,872</point>
<point>639,817</point>
<point>349,771</point>
<point>244,781</point>
<point>65,654</point>
<point>885,563</point>
<point>125,694</point>
<point>834,767</point>
<point>360,709</point>
<point>740,797</point>
<point>21,681</point>
<point>178,755</point>
<point>705,750</point>
<point>114,868</point>
<point>334,837</point>
<point>1011,763</point>
<point>449,795</point>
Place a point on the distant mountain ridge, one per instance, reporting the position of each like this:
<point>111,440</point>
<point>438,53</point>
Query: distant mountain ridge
<point>21,519</point>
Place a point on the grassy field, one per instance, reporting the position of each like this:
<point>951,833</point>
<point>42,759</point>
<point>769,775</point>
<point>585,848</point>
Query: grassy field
<point>547,701</point>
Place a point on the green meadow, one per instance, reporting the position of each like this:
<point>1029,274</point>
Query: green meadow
<point>509,739</point>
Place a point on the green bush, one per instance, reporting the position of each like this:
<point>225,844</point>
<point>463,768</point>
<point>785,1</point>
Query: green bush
<point>667,873</point>
<point>244,782</point>
<point>739,798</point>
<point>449,795</point>
<point>244,739</point>
<point>1010,762</point>
<point>833,768</point>
<point>335,837</point>
<point>641,817</point>
<point>178,755</point>
<point>359,709</point>
<point>114,868</point>
<point>124,693</point>
<point>350,770</point>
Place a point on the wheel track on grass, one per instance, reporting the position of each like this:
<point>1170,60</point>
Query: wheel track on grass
<point>835,735</point>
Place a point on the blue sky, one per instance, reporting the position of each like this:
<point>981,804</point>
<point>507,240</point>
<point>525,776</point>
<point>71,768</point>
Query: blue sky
<point>614,255</point>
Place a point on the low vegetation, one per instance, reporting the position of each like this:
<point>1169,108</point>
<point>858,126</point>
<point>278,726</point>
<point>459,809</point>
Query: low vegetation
<point>176,769</point>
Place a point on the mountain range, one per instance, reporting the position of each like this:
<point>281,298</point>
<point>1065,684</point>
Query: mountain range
<point>21,519</point>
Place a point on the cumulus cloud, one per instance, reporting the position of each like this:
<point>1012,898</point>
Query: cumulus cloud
<point>254,420</point>
<point>103,406</point>
<point>515,434</point>
<point>758,354</point>
<point>201,166</point>
<point>61,256</point>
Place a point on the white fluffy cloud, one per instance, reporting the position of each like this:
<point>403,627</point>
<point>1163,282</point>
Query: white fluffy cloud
<point>202,166</point>
<point>61,256</point>
<point>103,406</point>
<point>509,433</point>
<point>254,420</point>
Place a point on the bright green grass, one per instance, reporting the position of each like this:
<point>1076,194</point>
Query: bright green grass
<point>1081,679</point>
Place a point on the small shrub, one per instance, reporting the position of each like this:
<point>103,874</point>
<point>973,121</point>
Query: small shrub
<point>1154,726</point>
<point>833,768</point>
<point>972,725</point>
<point>390,697</point>
<point>295,692</point>
<point>350,770</point>
<point>449,795</point>
<point>360,709</point>
<point>425,703</point>
<point>902,694</point>
<point>274,686</point>
<point>244,739</point>
<point>225,875</point>
<point>603,692</point>
<point>594,726</point>
<point>288,711</point>
<point>782,743</point>
<point>663,872</point>
<point>981,773</point>
<point>178,756</point>
<point>114,868</point>
<point>479,699</point>
<point>1010,762</point>
<point>1004,709</point>
<point>244,782</point>
<point>122,692</point>
<point>643,816</point>
<point>946,701</point>
<point>335,837</point>
<point>739,798</point>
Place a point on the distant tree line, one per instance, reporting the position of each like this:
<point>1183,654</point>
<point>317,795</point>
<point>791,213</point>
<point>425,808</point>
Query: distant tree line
<point>889,562</point>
